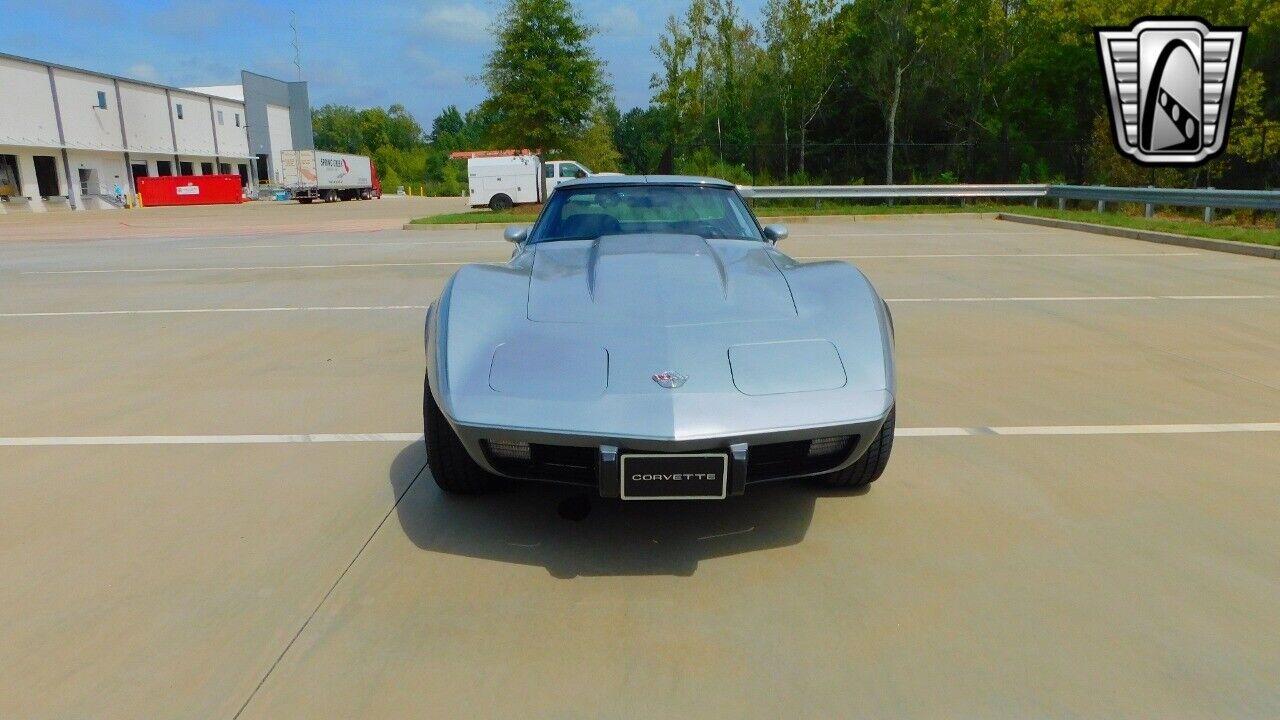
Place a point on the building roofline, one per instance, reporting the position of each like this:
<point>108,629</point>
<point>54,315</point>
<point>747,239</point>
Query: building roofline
<point>268,77</point>
<point>122,78</point>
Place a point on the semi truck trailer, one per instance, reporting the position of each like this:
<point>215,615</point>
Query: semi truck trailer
<point>311,175</point>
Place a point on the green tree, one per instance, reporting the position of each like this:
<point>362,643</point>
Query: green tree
<point>888,35</point>
<point>673,87</point>
<point>1254,137</point>
<point>543,77</point>
<point>639,136</point>
<point>595,148</point>
<point>336,128</point>
<point>339,128</point>
<point>802,47</point>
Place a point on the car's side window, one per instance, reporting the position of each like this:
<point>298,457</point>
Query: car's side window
<point>568,170</point>
<point>549,170</point>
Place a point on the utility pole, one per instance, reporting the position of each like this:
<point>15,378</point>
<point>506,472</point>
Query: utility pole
<point>297,46</point>
<point>719,139</point>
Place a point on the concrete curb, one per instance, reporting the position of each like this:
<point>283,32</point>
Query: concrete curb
<point>1230,246</point>
<point>764,220</point>
<point>452,226</point>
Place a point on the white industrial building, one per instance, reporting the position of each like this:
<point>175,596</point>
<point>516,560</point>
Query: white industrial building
<point>69,137</point>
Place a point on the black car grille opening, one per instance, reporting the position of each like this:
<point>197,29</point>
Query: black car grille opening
<point>769,461</point>
<point>772,461</point>
<point>562,463</point>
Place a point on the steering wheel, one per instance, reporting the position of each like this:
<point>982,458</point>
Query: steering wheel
<point>709,229</point>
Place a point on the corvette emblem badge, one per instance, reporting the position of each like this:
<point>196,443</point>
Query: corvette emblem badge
<point>669,379</point>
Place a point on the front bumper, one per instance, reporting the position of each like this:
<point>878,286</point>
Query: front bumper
<point>592,461</point>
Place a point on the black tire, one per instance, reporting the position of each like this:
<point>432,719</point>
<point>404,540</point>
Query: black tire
<point>500,203</point>
<point>451,466</point>
<point>870,466</point>
<point>305,201</point>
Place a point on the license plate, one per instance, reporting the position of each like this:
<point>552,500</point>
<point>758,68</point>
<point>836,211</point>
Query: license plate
<point>701,476</point>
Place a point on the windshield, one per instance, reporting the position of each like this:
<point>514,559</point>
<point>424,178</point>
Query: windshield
<point>587,213</point>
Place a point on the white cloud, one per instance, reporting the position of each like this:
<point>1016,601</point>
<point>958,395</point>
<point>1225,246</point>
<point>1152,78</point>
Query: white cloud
<point>143,71</point>
<point>619,20</point>
<point>462,22</point>
<point>430,72</point>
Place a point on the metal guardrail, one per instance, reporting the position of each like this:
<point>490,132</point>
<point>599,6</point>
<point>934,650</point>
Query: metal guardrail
<point>872,192</point>
<point>1208,198</point>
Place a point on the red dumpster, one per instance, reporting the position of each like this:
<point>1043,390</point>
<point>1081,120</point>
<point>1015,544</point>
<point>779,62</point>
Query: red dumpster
<point>190,190</point>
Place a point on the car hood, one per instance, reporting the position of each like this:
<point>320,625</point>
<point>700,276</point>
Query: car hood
<point>657,280</point>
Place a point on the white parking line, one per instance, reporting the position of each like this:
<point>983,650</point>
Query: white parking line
<point>418,243</point>
<point>184,311</point>
<point>1024,430</point>
<point>1135,429</point>
<point>1082,298</point>
<point>241,267</point>
<point>995,255</point>
<point>1088,429</point>
<point>208,439</point>
<point>984,233</point>
<point>369,308</point>
<point>237,268</point>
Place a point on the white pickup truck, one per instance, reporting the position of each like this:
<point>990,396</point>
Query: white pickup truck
<point>502,182</point>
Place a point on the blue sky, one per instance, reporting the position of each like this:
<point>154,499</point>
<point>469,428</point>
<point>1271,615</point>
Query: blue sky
<point>423,54</point>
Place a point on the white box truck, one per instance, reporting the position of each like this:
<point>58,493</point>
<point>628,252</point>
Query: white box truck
<point>501,182</point>
<point>317,175</point>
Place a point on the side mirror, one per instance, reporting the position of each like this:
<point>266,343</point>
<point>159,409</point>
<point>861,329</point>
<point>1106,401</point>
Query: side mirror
<point>776,233</point>
<point>515,234</point>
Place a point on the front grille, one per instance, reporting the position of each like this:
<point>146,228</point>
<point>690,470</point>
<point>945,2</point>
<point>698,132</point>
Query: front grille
<point>562,463</point>
<point>785,459</point>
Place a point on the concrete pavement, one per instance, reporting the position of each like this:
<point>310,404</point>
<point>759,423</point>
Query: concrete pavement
<point>1132,571</point>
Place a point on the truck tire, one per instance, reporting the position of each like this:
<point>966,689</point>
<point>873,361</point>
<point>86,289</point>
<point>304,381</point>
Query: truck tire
<point>500,202</point>
<point>453,469</point>
<point>871,465</point>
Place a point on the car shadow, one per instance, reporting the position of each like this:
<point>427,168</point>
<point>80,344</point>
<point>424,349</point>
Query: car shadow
<point>572,533</point>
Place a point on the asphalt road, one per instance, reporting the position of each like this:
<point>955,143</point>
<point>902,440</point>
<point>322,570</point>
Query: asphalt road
<point>215,503</point>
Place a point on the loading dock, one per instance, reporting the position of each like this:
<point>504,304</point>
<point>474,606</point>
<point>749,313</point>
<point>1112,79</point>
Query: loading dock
<point>79,134</point>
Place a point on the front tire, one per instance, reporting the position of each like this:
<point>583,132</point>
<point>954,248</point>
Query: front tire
<point>500,203</point>
<point>871,465</point>
<point>451,466</point>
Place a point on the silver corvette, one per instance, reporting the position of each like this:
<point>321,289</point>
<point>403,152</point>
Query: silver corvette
<point>647,339</point>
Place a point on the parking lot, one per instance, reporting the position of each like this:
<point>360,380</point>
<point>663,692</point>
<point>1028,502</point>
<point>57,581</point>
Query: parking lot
<point>216,506</point>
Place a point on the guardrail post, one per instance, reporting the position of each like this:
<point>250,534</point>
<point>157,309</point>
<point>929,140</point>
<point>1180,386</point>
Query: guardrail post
<point>1102,206</point>
<point>1062,204</point>
<point>1150,210</point>
<point>1035,202</point>
<point>1208,211</point>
